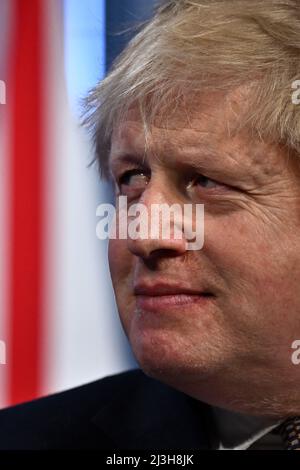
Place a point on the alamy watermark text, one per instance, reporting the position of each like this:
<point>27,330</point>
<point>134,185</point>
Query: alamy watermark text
<point>2,353</point>
<point>159,221</point>
<point>2,92</point>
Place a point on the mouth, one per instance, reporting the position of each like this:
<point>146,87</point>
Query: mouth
<point>162,296</point>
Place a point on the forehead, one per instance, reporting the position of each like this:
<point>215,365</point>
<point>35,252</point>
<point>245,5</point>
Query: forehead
<point>206,120</point>
<point>206,129</point>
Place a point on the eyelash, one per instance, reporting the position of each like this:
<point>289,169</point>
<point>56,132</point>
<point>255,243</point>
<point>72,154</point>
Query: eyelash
<point>139,171</point>
<point>132,172</point>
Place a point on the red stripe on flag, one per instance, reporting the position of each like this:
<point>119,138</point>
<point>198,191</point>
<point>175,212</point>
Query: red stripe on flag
<point>27,203</point>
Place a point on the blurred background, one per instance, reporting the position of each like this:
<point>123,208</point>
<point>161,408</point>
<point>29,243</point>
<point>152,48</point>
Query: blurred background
<point>58,317</point>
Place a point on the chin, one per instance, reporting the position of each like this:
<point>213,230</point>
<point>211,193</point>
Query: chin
<point>166,358</point>
<point>180,353</point>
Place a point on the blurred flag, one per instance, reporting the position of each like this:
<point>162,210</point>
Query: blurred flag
<point>57,313</point>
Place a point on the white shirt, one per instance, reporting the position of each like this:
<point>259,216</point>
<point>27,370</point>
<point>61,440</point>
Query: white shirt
<point>236,431</point>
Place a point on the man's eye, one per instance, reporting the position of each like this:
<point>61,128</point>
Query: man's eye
<point>132,180</point>
<point>204,182</point>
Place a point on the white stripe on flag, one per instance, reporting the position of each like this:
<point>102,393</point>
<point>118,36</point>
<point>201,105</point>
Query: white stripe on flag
<point>82,335</point>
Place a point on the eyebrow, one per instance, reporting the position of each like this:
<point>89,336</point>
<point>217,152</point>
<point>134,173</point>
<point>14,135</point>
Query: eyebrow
<point>201,157</point>
<point>200,160</point>
<point>125,158</point>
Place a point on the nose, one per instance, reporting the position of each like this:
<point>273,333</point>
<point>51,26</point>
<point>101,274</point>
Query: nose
<point>164,222</point>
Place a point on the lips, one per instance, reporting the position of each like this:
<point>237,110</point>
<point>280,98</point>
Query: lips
<point>164,288</point>
<point>162,296</point>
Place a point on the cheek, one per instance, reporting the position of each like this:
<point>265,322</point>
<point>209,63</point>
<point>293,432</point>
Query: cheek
<point>119,258</point>
<point>261,270</point>
<point>113,249</point>
<point>235,249</point>
<point>121,268</point>
<point>245,248</point>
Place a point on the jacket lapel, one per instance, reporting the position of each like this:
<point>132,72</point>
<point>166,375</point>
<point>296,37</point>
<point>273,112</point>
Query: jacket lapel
<point>154,416</point>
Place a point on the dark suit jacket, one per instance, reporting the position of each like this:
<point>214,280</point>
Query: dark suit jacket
<point>124,411</point>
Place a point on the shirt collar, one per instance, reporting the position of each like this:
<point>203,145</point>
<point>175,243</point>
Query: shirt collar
<point>237,431</point>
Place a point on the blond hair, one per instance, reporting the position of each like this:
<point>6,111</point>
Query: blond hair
<point>190,46</point>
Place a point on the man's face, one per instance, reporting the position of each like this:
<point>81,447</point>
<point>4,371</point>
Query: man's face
<point>231,348</point>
